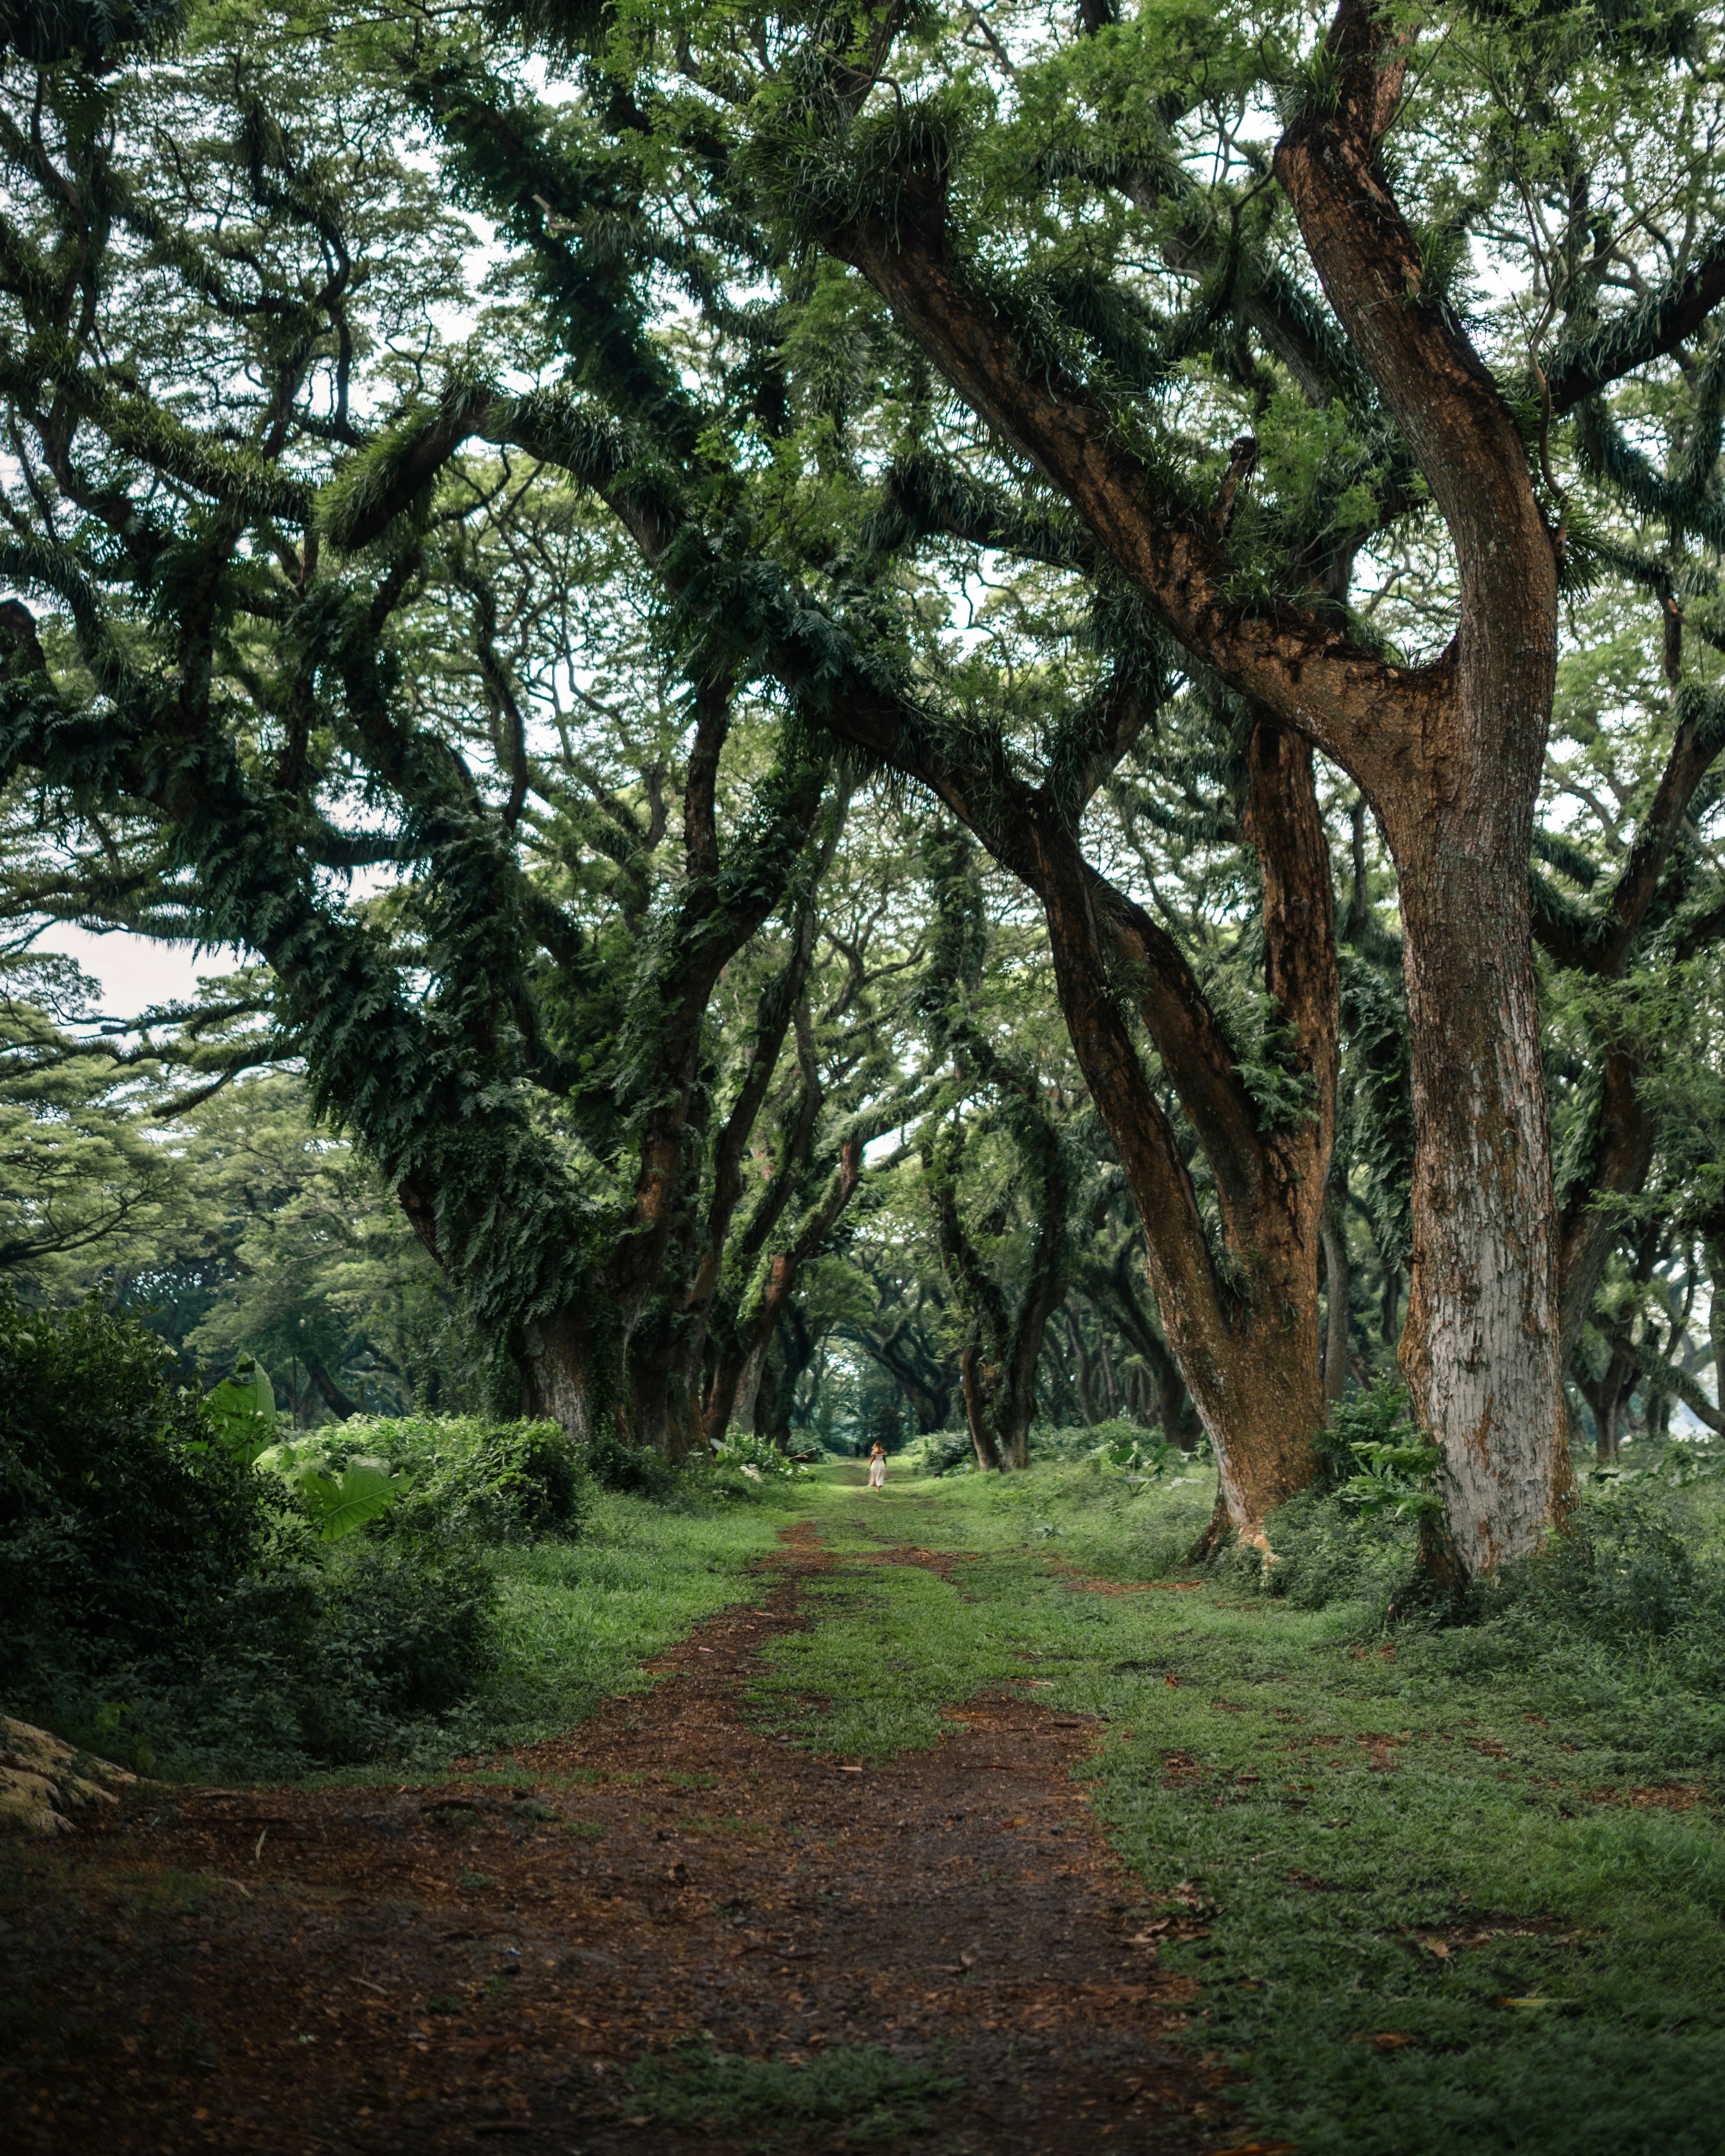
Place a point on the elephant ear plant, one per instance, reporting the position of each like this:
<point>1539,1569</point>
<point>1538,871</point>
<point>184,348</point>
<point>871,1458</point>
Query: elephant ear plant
<point>242,1411</point>
<point>338,1494</point>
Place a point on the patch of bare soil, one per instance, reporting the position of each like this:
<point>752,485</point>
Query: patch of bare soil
<point>1082,1583</point>
<point>290,1973</point>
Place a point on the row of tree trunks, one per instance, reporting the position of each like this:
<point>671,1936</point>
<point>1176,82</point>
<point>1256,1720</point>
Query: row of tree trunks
<point>1449,756</point>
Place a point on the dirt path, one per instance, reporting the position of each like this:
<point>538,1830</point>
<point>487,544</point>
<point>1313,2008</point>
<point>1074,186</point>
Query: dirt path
<point>416,1970</point>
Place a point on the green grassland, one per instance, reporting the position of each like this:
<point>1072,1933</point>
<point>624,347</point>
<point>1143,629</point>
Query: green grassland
<point>1408,1843</point>
<point>575,1619</point>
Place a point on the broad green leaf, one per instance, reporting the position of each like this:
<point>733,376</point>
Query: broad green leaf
<point>339,1500</point>
<point>244,1408</point>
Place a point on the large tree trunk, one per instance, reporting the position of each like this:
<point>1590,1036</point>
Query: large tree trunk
<point>1480,1347</point>
<point>1000,1397</point>
<point>979,1381</point>
<point>1249,1355</point>
<point>664,1371</point>
<point>1456,797</point>
<point>568,1373</point>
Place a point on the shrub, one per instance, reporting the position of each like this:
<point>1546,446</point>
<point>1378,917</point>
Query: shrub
<point>941,1452</point>
<point>746,1450</point>
<point>1326,1551</point>
<point>501,1480</point>
<point>1126,1442</point>
<point>1623,1574</point>
<point>123,1527</point>
<point>635,1470</point>
<point>158,1595</point>
<point>405,1622</point>
<point>1378,1459</point>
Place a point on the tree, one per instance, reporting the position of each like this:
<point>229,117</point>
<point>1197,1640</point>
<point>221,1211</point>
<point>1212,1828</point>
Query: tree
<point>734,554</point>
<point>1197,371</point>
<point>847,1025</point>
<point>518,1030</point>
<point>993,1089</point>
<point>870,137</point>
<point>77,1173</point>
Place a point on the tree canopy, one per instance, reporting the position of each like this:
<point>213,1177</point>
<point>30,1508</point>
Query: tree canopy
<point>1097,630</point>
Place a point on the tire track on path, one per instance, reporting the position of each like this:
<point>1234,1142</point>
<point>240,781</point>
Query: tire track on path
<point>427,1968</point>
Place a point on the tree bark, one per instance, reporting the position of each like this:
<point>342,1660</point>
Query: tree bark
<point>1336,1282</point>
<point>1480,1350</point>
<point>978,1400</point>
<point>334,1399</point>
<point>564,1369</point>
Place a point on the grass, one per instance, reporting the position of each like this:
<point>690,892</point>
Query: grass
<point>577,1619</point>
<point>878,2096</point>
<point>1429,1934</point>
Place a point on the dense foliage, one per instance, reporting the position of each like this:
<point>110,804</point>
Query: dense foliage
<point>124,1526</point>
<point>764,904</point>
<point>159,1592</point>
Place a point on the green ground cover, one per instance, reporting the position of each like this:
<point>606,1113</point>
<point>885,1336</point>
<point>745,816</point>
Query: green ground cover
<point>1467,1879</point>
<point>1408,1846</point>
<point>575,1619</point>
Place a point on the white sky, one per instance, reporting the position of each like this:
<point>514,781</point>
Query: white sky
<point>137,971</point>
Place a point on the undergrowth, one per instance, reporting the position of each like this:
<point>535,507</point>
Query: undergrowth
<point>166,1604</point>
<point>879,2097</point>
<point>1466,1875</point>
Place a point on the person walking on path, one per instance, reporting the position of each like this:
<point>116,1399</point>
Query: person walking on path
<point>877,1468</point>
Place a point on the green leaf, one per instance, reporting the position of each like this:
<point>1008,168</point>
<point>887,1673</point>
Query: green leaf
<point>339,1500</point>
<point>243,1408</point>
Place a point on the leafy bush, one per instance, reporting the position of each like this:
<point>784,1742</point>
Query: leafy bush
<point>1143,1450</point>
<point>751,1453</point>
<point>941,1452</point>
<point>1126,1444</point>
<point>328,1662</point>
<point>1378,1460</point>
<point>1624,1574</point>
<point>339,1494</point>
<point>160,1596</point>
<point>1325,1553</point>
<point>635,1470</point>
<point>1135,1452</point>
<point>242,1409</point>
<point>500,1481</point>
<point>123,1524</point>
<point>405,1624</point>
